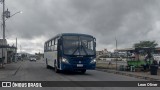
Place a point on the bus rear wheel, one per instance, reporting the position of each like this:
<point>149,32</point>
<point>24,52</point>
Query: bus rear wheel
<point>47,66</point>
<point>83,71</point>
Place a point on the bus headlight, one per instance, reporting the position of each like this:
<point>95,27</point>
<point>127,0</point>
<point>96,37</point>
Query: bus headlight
<point>93,61</point>
<point>64,60</point>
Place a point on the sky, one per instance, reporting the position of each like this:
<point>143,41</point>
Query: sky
<point>128,21</point>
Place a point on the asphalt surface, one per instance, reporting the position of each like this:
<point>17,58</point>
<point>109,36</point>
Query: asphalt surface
<point>36,71</point>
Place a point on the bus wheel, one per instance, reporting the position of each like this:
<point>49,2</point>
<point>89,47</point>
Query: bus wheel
<point>83,71</point>
<point>56,69</point>
<point>47,64</point>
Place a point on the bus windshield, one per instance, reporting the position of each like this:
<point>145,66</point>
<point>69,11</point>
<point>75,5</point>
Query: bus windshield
<point>78,45</point>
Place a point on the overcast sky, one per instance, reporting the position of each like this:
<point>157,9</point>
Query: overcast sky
<point>130,21</point>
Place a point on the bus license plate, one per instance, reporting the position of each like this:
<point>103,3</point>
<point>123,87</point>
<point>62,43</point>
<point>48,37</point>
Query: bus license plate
<point>79,65</point>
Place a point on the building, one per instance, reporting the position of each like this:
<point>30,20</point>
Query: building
<point>3,51</point>
<point>7,52</point>
<point>99,53</point>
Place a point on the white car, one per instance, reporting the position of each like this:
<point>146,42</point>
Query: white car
<point>33,59</point>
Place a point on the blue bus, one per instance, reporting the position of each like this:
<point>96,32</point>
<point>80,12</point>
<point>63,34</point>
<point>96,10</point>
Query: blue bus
<point>71,51</point>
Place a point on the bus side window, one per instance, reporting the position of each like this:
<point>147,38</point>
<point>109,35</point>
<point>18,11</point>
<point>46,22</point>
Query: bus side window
<point>56,41</point>
<point>45,47</point>
<point>55,46</point>
<point>53,42</point>
<point>52,47</point>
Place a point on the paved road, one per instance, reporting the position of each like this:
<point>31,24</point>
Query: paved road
<point>36,71</point>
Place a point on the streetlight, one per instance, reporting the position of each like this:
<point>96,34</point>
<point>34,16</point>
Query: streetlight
<point>13,15</point>
<point>5,16</point>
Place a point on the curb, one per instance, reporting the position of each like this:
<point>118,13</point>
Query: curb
<point>128,74</point>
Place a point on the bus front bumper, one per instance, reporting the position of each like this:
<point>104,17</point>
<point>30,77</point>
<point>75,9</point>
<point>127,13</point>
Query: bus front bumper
<point>73,67</point>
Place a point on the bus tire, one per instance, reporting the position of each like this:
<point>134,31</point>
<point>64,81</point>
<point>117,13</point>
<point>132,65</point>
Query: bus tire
<point>83,71</point>
<point>55,68</point>
<point>47,66</point>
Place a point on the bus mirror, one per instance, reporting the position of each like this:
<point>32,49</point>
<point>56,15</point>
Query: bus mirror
<point>95,44</point>
<point>94,39</point>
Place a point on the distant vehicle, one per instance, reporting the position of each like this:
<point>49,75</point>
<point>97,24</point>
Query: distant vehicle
<point>71,51</point>
<point>19,56</point>
<point>122,54</point>
<point>32,58</point>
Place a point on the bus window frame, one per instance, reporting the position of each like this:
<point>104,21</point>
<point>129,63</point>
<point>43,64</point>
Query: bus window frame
<point>56,44</point>
<point>94,49</point>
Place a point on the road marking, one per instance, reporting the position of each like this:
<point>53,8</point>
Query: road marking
<point>17,70</point>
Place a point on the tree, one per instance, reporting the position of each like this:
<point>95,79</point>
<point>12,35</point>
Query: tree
<point>141,44</point>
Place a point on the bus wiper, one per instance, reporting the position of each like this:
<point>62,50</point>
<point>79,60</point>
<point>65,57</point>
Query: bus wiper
<point>75,51</point>
<point>78,49</point>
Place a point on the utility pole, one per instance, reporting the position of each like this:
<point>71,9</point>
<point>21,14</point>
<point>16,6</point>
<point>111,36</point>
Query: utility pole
<point>6,15</point>
<point>116,52</point>
<point>16,52</point>
<point>116,42</point>
<point>16,48</point>
<point>3,25</point>
<point>3,18</point>
<point>20,49</point>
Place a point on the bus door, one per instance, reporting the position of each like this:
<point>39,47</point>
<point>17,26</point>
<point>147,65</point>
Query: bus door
<point>59,52</point>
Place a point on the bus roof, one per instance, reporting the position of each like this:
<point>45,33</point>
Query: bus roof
<point>70,34</point>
